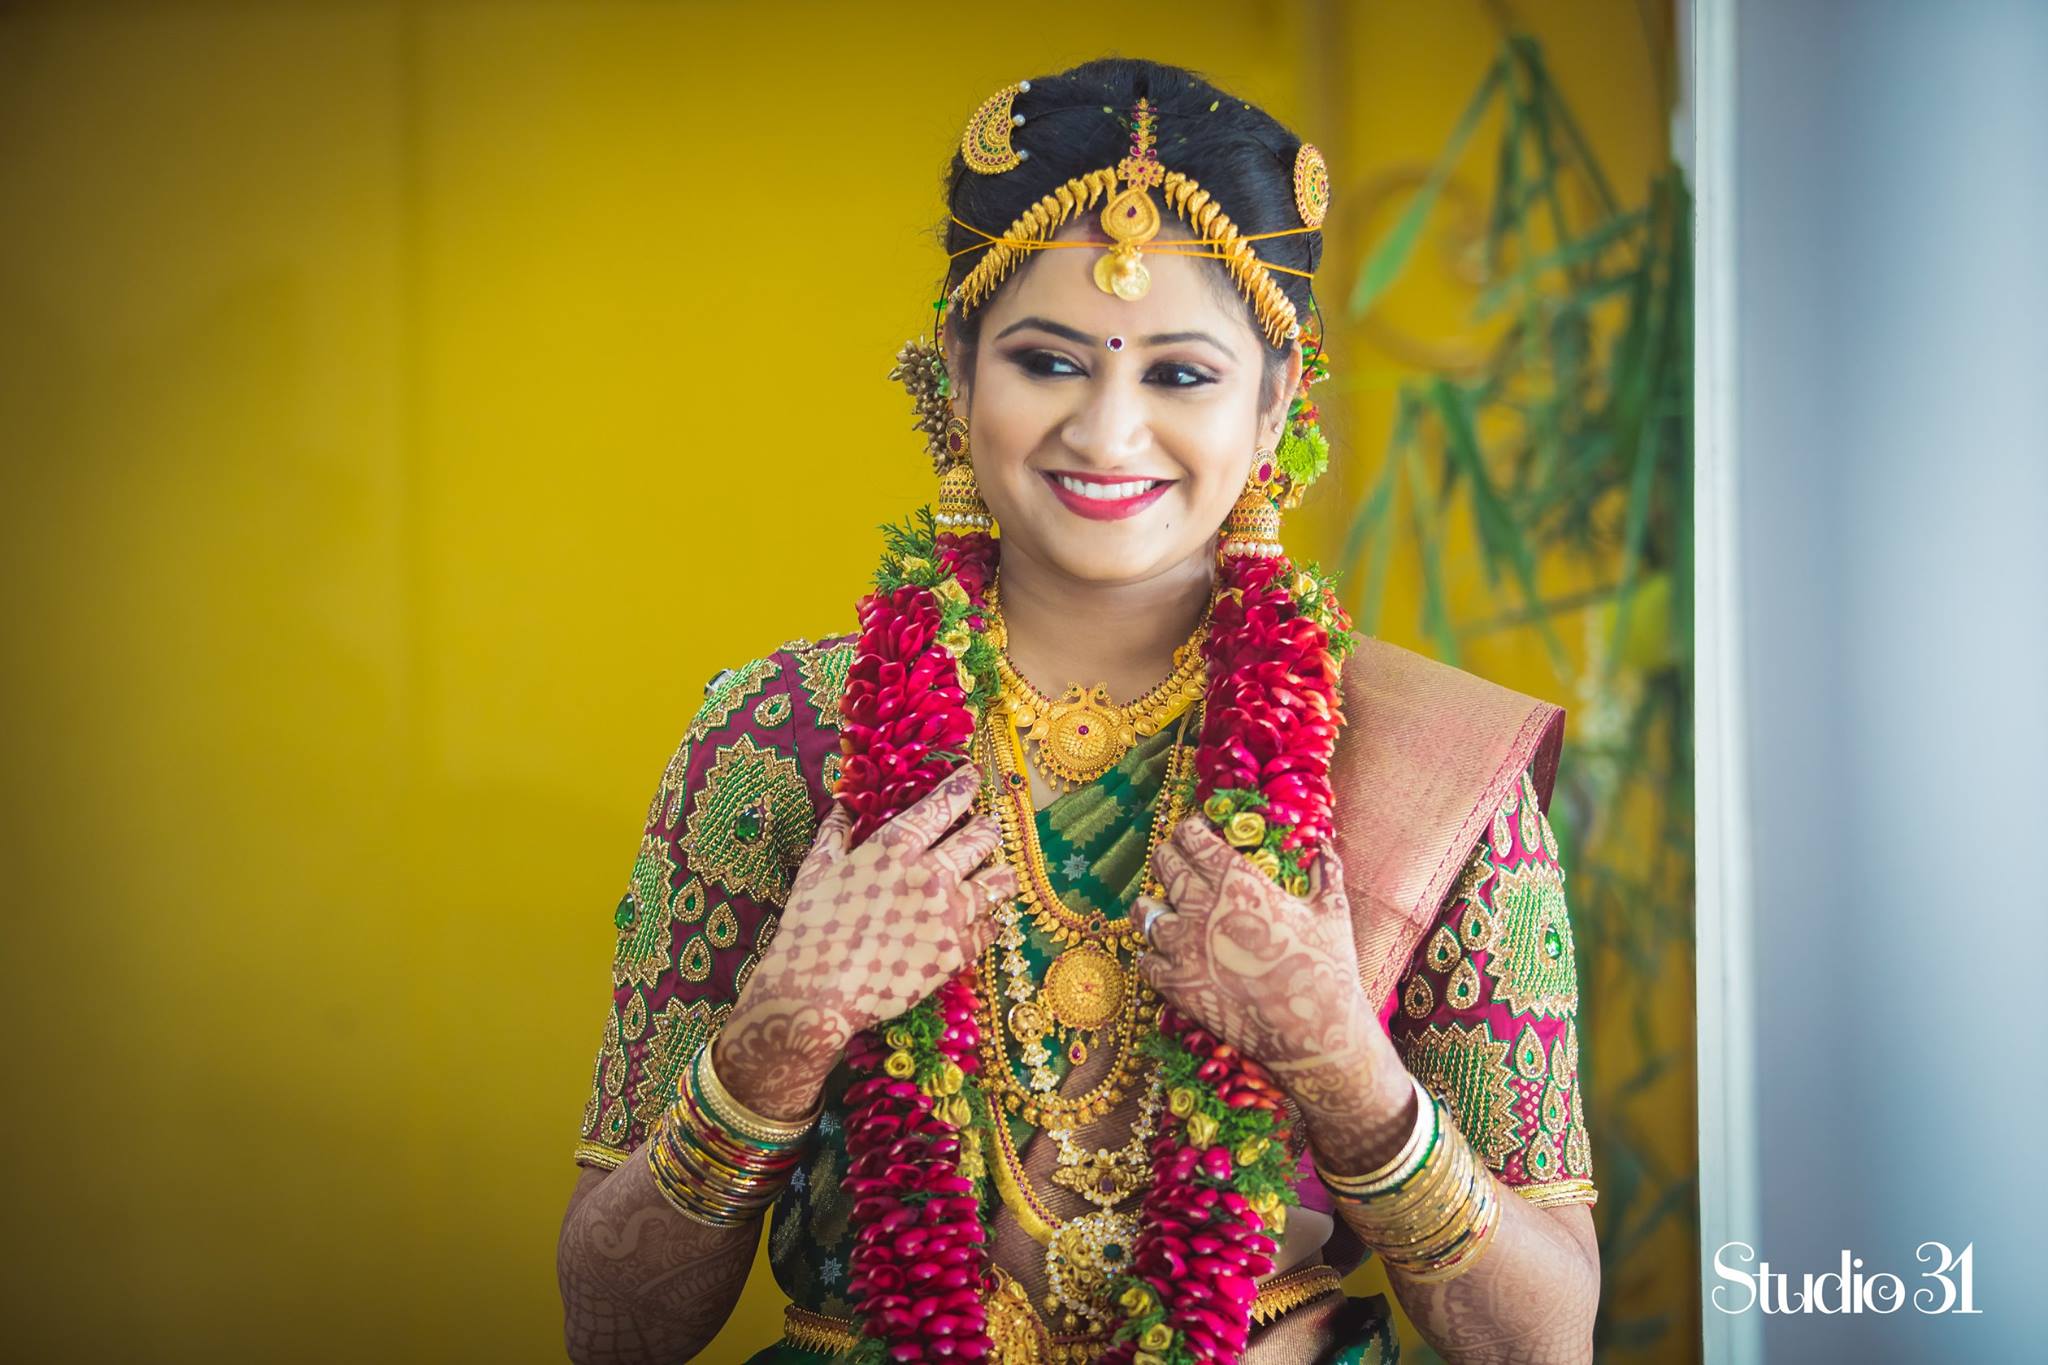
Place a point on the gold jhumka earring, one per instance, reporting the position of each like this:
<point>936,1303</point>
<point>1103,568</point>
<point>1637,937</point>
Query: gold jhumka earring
<point>1253,526</point>
<point>921,369</point>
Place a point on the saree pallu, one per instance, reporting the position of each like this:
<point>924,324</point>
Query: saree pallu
<point>1451,868</point>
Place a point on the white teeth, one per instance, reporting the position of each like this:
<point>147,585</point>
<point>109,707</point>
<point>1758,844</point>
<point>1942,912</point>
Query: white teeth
<point>1107,492</point>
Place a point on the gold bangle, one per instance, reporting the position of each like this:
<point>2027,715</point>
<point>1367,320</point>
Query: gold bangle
<point>1424,1203</point>
<point>1414,1152</point>
<point>1486,1223</point>
<point>706,1186</point>
<point>1448,1237</point>
<point>1431,1224</point>
<point>737,1117</point>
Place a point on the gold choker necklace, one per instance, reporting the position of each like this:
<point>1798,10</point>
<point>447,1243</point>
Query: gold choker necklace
<point>1084,734</point>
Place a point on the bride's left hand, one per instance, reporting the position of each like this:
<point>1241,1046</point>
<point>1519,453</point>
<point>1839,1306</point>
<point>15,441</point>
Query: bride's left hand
<point>1276,976</point>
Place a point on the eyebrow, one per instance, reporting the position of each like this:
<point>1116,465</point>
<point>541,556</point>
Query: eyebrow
<point>1080,338</point>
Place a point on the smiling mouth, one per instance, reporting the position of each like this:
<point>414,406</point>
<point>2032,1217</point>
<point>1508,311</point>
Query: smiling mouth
<point>1105,490</point>
<point>1097,498</point>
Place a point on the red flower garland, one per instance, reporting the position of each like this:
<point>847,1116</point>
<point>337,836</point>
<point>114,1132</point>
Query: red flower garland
<point>920,678</point>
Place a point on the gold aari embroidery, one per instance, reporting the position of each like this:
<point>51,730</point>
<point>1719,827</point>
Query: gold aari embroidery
<point>729,691</point>
<point>823,675</point>
<point>643,946</point>
<point>1443,949</point>
<point>723,928</point>
<point>1507,918</point>
<point>750,821</point>
<point>1462,991</point>
<point>1468,1069</point>
<point>1532,962</point>
<point>679,1030</point>
<point>772,711</point>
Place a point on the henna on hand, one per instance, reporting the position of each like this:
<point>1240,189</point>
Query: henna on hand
<point>639,1280</point>
<point>1277,977</point>
<point>865,934</point>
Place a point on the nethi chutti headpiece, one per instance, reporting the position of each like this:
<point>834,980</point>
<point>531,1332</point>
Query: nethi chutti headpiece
<point>1130,218</point>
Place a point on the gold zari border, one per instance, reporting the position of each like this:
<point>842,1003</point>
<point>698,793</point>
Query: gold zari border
<point>808,1331</point>
<point>1284,1293</point>
<point>597,1154</point>
<point>1552,1194</point>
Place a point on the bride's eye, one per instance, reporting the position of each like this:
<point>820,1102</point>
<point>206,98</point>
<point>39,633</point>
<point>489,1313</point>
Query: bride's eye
<point>1172,375</point>
<point>1045,364</point>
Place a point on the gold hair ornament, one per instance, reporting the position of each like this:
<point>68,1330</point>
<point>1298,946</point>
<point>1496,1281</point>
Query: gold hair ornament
<point>985,146</point>
<point>1311,185</point>
<point>1131,220</point>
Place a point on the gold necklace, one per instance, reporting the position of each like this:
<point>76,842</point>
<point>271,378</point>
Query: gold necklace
<point>1084,734</point>
<point>1088,989</point>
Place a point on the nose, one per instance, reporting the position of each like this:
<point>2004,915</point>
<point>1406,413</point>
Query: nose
<point>1111,428</point>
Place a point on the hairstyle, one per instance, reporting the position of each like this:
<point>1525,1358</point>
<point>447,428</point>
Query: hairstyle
<point>1078,121</point>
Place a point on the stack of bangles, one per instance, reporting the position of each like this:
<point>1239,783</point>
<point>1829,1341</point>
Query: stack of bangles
<point>716,1160</point>
<point>1432,1211</point>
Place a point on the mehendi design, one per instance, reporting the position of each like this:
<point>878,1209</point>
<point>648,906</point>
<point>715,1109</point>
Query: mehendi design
<point>1277,977</point>
<point>867,933</point>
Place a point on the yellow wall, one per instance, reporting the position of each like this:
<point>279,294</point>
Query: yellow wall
<point>403,410</point>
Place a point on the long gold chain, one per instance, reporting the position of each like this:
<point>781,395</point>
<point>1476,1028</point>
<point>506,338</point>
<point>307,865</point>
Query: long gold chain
<point>1083,1254</point>
<point>1119,1000</point>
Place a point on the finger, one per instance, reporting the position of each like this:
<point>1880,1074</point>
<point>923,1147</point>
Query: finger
<point>969,846</point>
<point>1161,975</point>
<point>1147,912</point>
<point>1328,873</point>
<point>1173,936</point>
<point>834,832</point>
<point>936,811</point>
<point>981,932</point>
<point>1178,876</point>
<point>1203,844</point>
<point>990,887</point>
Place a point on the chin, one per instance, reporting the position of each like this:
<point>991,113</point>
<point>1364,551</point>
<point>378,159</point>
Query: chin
<point>1104,555</point>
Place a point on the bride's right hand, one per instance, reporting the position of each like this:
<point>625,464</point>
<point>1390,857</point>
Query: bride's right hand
<point>865,934</point>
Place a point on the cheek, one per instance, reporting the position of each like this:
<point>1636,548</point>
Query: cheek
<point>1009,419</point>
<point>1215,469</point>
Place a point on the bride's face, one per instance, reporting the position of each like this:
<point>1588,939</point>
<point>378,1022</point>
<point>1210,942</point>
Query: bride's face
<point>1110,436</point>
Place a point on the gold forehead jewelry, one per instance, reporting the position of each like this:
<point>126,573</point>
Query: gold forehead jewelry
<point>1130,219</point>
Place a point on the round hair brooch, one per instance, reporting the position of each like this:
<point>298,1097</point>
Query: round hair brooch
<point>1311,185</point>
<point>985,146</point>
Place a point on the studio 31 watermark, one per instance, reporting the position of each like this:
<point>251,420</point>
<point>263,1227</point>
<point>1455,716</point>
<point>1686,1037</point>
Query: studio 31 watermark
<point>1946,1287</point>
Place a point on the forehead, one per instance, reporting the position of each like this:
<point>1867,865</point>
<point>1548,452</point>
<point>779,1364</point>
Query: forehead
<point>1187,293</point>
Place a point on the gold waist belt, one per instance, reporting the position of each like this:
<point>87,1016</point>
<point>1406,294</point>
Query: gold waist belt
<point>828,1335</point>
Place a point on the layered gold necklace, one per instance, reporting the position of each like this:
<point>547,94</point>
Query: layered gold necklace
<point>1090,996</point>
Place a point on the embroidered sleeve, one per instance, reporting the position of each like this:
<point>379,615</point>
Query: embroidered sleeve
<point>733,816</point>
<point>1488,1015</point>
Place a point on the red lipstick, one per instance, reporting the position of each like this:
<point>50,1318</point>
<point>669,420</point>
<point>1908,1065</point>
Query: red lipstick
<point>1116,498</point>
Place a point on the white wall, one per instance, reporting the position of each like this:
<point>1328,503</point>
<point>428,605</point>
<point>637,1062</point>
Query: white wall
<point>1890,460</point>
